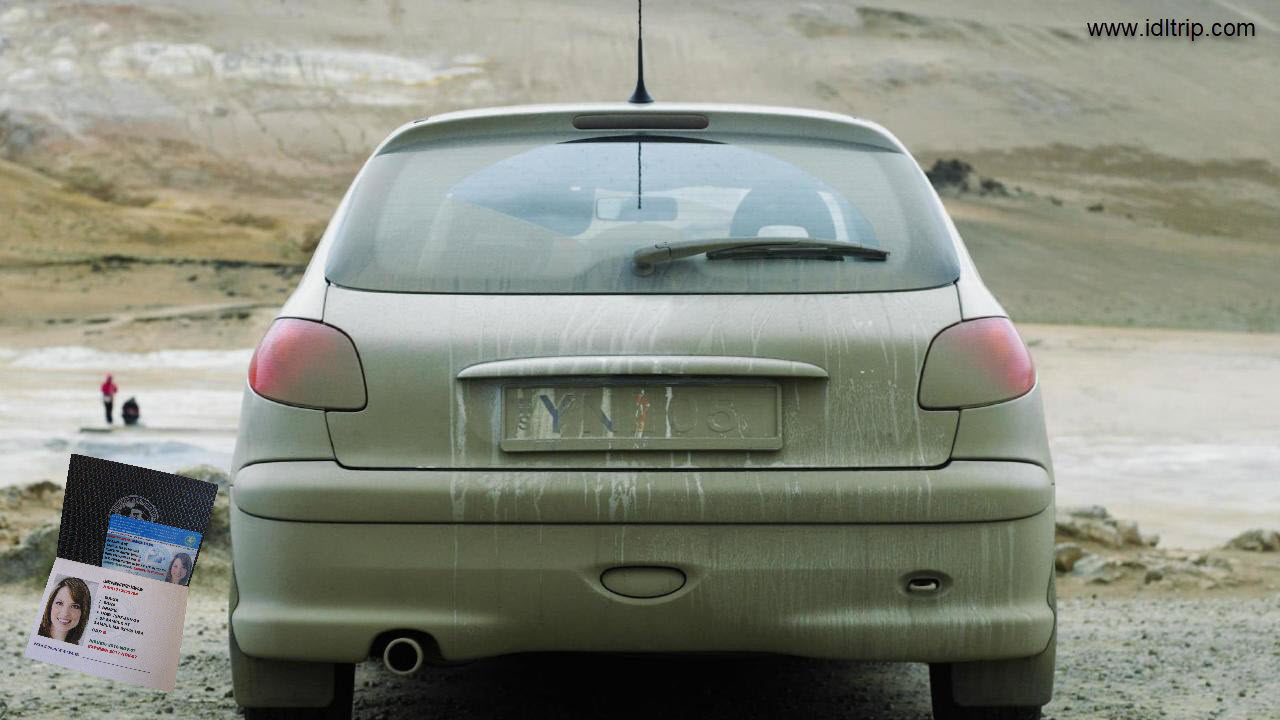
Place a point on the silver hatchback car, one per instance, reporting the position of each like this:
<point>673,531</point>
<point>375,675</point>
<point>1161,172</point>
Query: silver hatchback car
<point>666,378</point>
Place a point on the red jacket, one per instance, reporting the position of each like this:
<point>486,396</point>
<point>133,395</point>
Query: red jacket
<point>109,388</point>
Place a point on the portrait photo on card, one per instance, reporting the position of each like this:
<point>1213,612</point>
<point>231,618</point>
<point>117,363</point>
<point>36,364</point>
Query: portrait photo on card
<point>179,569</point>
<point>66,610</point>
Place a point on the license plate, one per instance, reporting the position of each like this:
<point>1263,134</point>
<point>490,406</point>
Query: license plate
<point>641,416</point>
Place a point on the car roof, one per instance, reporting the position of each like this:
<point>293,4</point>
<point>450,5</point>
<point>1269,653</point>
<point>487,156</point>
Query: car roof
<point>627,118</point>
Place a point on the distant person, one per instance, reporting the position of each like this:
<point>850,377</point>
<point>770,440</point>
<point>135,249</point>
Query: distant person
<point>129,412</point>
<point>67,612</point>
<point>109,390</point>
<point>179,569</point>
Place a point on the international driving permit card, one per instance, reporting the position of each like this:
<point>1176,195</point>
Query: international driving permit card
<point>116,599</point>
<point>151,550</point>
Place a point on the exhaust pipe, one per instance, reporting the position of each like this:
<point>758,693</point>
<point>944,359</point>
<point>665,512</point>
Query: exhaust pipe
<point>403,656</point>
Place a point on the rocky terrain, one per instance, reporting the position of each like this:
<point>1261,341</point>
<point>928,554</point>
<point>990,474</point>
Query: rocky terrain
<point>1097,550</point>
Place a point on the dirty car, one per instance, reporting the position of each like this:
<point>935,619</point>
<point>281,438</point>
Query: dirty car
<point>661,379</point>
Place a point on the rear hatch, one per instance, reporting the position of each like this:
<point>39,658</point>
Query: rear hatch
<point>488,286</point>
<point>690,380</point>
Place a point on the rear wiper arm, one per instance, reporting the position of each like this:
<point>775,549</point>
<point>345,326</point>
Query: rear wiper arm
<point>646,259</point>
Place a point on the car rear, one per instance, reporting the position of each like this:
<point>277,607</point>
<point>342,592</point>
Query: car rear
<point>483,425</point>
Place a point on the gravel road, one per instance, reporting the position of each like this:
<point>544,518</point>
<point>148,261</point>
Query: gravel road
<point>1120,658</point>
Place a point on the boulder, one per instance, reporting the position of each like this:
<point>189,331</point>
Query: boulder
<point>218,534</point>
<point>1091,512</point>
<point>1090,530</point>
<point>207,473</point>
<point>1128,531</point>
<point>1098,570</point>
<point>1093,523</point>
<point>952,173</point>
<point>957,176</point>
<point>37,491</point>
<point>1255,540</point>
<point>32,557</point>
<point>1065,556</point>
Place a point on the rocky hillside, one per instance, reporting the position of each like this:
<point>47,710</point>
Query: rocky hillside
<point>231,128</point>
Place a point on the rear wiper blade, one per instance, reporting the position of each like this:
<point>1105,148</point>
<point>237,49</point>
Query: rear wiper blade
<point>646,259</point>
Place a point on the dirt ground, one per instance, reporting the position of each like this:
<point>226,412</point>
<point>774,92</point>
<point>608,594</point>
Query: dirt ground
<point>1126,653</point>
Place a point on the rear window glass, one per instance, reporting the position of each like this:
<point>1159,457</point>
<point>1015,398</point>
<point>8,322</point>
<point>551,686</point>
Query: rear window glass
<point>565,216</point>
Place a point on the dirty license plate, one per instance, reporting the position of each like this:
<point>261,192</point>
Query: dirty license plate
<point>641,416</point>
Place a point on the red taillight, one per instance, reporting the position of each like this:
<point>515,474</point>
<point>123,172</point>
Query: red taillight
<point>978,362</point>
<point>306,363</point>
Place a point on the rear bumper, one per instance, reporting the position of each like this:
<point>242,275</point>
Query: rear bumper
<point>961,491</point>
<point>322,591</point>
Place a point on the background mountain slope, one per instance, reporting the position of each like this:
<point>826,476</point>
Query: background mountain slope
<point>1141,178</point>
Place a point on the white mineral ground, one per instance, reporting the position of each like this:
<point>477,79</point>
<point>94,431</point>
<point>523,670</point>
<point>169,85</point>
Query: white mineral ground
<point>1177,430</point>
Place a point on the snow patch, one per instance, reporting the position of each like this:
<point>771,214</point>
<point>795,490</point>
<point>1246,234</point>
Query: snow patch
<point>26,77</point>
<point>15,16</point>
<point>306,68</point>
<point>65,48</point>
<point>83,358</point>
<point>64,69</point>
<point>166,455</point>
<point>159,60</point>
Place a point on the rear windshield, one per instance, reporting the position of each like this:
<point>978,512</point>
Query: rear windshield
<point>566,216</point>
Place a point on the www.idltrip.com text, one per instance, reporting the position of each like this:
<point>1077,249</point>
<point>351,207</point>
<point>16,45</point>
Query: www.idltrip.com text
<point>1172,28</point>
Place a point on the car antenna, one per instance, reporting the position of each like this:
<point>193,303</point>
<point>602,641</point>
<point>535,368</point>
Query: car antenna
<point>640,96</point>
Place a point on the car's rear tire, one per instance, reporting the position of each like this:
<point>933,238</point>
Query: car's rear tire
<point>276,678</point>
<point>994,690</point>
<point>945,707</point>
<point>339,708</point>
